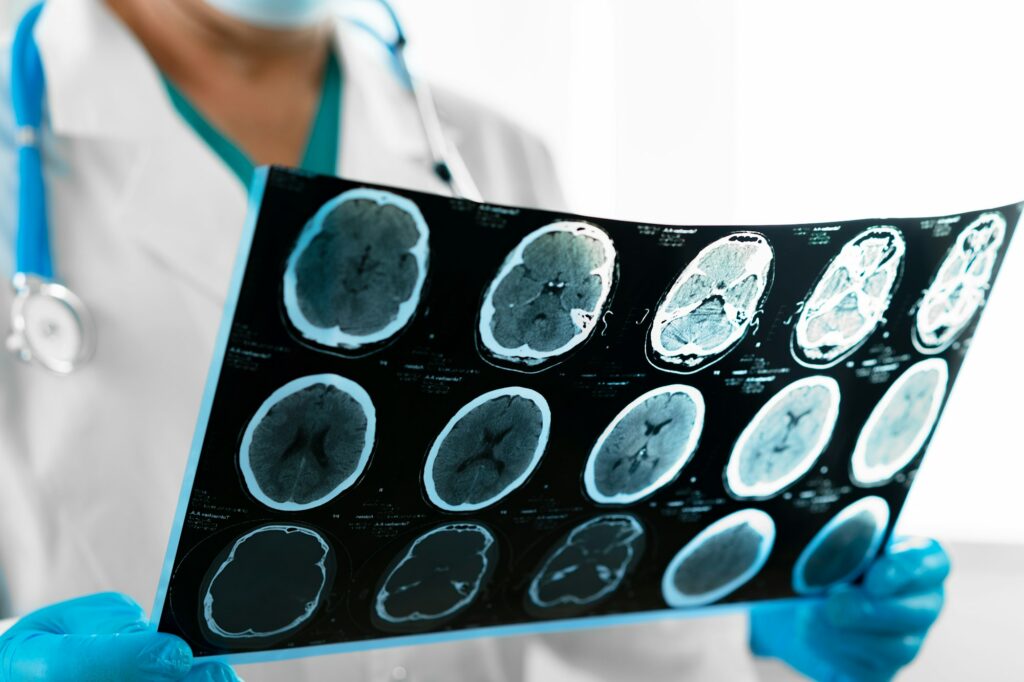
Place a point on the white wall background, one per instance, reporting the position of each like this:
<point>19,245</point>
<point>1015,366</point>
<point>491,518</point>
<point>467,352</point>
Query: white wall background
<point>733,111</point>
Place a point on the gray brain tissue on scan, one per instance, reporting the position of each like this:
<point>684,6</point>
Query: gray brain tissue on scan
<point>439,575</point>
<point>487,450</point>
<point>268,583</point>
<point>359,269</point>
<point>308,443</point>
<point>784,439</point>
<point>903,419</point>
<point>589,564</point>
<point>721,559</point>
<point>534,301</point>
<point>841,551</point>
<point>645,444</point>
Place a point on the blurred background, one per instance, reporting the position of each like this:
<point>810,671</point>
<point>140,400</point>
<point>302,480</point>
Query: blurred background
<point>745,111</point>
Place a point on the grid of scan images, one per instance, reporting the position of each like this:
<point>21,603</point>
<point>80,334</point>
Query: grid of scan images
<point>434,416</point>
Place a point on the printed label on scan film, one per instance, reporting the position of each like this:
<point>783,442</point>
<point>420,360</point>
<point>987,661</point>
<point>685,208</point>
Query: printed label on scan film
<point>431,419</point>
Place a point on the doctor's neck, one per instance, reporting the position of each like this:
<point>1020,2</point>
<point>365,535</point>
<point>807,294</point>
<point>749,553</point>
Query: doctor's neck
<point>259,86</point>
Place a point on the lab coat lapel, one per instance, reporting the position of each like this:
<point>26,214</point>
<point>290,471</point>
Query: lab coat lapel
<point>178,201</point>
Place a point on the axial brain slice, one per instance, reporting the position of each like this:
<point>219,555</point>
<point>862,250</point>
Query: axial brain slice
<point>841,550</point>
<point>268,583</point>
<point>960,286</point>
<point>488,449</point>
<point>437,576</point>
<point>547,295</point>
<point>308,442</point>
<point>589,564</point>
<point>357,270</point>
<point>784,439</point>
<point>711,305</point>
<point>901,422</point>
<point>720,560</point>
<point>851,297</point>
<point>645,446</point>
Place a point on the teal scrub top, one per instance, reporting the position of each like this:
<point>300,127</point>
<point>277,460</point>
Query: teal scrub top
<point>321,155</point>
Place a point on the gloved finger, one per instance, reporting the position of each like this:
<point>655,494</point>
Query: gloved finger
<point>908,566</point>
<point>212,672</point>
<point>880,654</point>
<point>131,657</point>
<point>838,664</point>
<point>853,609</point>
<point>97,614</point>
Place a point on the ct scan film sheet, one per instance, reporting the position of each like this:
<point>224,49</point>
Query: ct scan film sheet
<point>431,419</point>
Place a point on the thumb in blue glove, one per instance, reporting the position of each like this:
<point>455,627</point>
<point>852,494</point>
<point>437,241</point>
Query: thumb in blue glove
<point>862,633</point>
<point>98,638</point>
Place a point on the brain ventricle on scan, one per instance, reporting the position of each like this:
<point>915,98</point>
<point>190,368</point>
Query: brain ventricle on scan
<point>354,278</point>
<point>547,296</point>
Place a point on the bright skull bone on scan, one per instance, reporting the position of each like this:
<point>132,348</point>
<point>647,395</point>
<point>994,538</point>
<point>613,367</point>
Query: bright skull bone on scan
<point>589,564</point>
<point>646,445</point>
<point>355,276</point>
<point>488,449</point>
<point>308,442</point>
<point>436,577</point>
<point>900,423</point>
<point>960,285</point>
<point>784,439</point>
<point>850,299</point>
<point>547,296</point>
<point>711,305</point>
<point>288,567</point>
<point>843,548</point>
<point>719,560</point>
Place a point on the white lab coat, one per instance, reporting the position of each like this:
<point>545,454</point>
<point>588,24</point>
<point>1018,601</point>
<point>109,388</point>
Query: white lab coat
<point>144,222</point>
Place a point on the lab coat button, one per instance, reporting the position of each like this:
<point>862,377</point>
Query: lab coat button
<point>399,673</point>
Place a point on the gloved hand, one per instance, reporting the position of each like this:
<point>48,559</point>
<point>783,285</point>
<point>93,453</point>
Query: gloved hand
<point>98,638</point>
<point>862,633</point>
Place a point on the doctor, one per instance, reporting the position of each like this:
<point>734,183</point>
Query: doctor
<point>157,112</point>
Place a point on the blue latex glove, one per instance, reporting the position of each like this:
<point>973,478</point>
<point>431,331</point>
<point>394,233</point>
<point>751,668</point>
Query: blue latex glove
<point>98,638</point>
<point>862,633</point>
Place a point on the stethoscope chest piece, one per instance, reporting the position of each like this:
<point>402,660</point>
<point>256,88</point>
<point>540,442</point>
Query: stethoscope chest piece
<point>50,326</point>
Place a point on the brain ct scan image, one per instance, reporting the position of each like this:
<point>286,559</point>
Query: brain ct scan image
<point>711,305</point>
<point>548,296</point>
<point>308,442</point>
<point>488,449</point>
<point>266,585</point>
<point>722,558</point>
<point>645,446</point>
<point>355,276</point>
<point>960,285</point>
<point>784,439</point>
<point>850,299</point>
<point>844,548</point>
<point>437,577</point>
<point>587,565</point>
<point>900,423</point>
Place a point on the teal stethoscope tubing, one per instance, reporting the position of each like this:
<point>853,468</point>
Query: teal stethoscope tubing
<point>32,241</point>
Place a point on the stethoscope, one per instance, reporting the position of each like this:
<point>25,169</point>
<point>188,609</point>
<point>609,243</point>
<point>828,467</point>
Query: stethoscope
<point>50,325</point>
